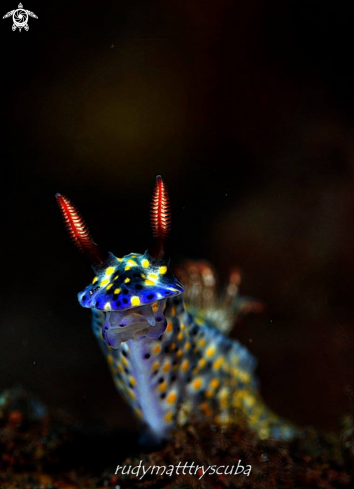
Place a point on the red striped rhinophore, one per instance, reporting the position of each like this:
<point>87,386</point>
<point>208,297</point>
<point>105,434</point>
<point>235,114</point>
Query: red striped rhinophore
<point>160,219</point>
<point>160,210</point>
<point>79,233</point>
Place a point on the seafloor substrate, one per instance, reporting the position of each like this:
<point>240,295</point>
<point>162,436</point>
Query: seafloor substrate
<point>42,448</point>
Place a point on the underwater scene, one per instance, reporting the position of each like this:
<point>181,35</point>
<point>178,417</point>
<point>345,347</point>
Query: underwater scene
<point>178,246</point>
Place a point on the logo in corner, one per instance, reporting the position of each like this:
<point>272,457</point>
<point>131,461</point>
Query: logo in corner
<point>20,18</point>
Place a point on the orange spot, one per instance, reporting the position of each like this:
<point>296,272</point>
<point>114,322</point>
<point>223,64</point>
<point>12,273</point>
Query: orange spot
<point>197,383</point>
<point>172,398</point>
<point>162,387</point>
<point>169,328</point>
<point>157,349</point>
<point>166,367</point>
<point>168,417</point>
<point>185,365</point>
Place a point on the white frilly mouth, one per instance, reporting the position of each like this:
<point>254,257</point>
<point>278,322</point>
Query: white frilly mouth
<point>134,323</point>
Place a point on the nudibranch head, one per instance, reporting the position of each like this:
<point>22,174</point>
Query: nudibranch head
<point>132,291</point>
<point>132,281</point>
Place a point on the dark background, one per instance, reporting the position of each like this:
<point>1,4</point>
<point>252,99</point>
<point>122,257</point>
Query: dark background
<point>246,109</point>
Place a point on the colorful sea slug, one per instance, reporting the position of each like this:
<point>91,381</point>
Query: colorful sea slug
<point>171,360</point>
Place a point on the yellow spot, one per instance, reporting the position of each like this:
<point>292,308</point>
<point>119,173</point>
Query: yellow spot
<point>124,361</point>
<point>120,368</point>
<point>107,306</point>
<point>185,365</point>
<point>199,321</point>
<point>152,276</point>
<point>209,393</point>
<point>132,395</point>
<point>162,270</point>
<point>109,286</point>
<point>217,364</point>
<point>168,417</point>
<point>179,354</point>
<point>94,280</point>
<point>149,282</point>
<point>172,398</point>
<point>127,280</point>
<point>187,346</point>
<point>157,349</point>
<point>116,291</point>
<point>110,270</point>
<point>132,380</point>
<point>155,366</point>
<point>104,282</point>
<point>143,275</point>
<point>131,262</point>
<point>202,363</point>
<point>245,377</point>
<point>210,351</point>
<point>180,336</point>
<point>169,328</point>
<point>138,412</point>
<point>201,343</point>
<point>135,301</point>
<point>166,367</point>
<point>115,278</point>
<point>214,383</point>
<point>120,259</point>
<point>110,359</point>
<point>155,306</point>
<point>182,326</point>
<point>127,267</point>
<point>197,384</point>
<point>145,263</point>
<point>162,387</point>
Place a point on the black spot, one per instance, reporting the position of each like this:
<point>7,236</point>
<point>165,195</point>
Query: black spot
<point>138,286</point>
<point>130,385</point>
<point>160,380</point>
<point>189,379</point>
<point>167,292</point>
<point>125,291</point>
<point>194,330</point>
<point>125,301</point>
<point>124,353</point>
<point>84,297</point>
<point>174,362</point>
<point>118,303</point>
<point>167,349</point>
<point>147,355</point>
<point>163,395</point>
<point>150,296</point>
<point>126,370</point>
<point>173,378</point>
<point>136,275</point>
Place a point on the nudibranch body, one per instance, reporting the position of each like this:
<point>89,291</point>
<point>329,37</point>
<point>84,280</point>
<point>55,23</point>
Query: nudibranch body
<point>171,361</point>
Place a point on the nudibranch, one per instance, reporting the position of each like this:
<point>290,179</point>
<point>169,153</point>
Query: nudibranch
<point>170,359</point>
